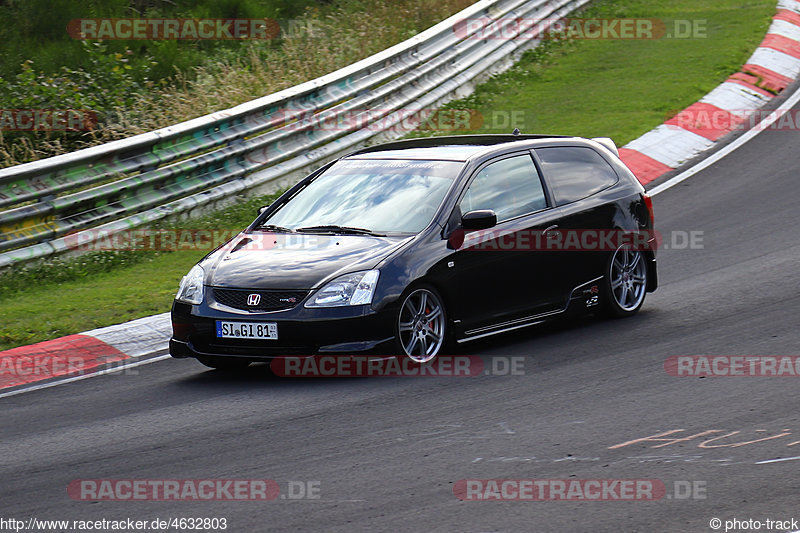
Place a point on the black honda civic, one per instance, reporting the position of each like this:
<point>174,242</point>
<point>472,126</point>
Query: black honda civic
<point>408,247</point>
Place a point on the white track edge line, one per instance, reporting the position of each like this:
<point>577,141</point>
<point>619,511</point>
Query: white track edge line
<point>85,376</point>
<point>784,459</point>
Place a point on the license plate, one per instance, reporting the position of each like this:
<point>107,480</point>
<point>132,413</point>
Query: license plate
<point>247,330</point>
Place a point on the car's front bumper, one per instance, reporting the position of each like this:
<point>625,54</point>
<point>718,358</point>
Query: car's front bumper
<point>301,331</point>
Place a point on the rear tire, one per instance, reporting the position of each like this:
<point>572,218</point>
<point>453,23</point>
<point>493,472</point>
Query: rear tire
<point>224,363</point>
<point>625,283</point>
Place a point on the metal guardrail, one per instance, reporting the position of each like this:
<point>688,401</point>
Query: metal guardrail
<point>130,182</point>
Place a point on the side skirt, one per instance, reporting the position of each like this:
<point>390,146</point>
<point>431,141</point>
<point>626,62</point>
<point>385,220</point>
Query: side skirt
<point>581,292</point>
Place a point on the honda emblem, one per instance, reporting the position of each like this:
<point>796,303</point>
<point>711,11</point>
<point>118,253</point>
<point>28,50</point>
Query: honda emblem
<point>253,299</point>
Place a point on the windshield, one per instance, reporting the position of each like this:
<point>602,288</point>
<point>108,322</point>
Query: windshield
<point>378,195</point>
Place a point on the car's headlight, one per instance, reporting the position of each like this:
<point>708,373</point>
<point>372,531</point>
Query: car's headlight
<point>191,288</point>
<point>351,289</point>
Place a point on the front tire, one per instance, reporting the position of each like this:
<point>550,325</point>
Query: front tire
<point>625,282</point>
<point>421,325</point>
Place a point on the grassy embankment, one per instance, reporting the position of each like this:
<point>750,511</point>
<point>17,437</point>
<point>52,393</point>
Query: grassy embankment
<point>136,86</point>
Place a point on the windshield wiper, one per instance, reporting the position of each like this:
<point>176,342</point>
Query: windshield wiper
<point>332,228</point>
<point>273,227</point>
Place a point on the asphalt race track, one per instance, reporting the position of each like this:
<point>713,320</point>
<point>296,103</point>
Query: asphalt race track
<point>385,454</point>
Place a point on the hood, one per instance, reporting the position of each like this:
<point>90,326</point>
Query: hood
<point>262,260</point>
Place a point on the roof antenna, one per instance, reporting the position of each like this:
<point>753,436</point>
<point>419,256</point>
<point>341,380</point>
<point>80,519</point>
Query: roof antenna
<point>515,133</point>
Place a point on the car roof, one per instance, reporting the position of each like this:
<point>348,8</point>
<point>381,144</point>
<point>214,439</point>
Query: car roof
<point>437,153</point>
<point>451,148</point>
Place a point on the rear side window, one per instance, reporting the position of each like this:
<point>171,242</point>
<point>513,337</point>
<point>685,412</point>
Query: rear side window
<point>510,187</point>
<point>575,172</point>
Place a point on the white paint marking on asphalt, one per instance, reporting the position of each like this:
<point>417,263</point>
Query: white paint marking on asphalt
<point>506,428</point>
<point>85,376</point>
<point>778,460</point>
<point>705,163</point>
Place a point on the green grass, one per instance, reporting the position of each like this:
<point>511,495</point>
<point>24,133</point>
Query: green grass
<point>589,88</point>
<point>52,309</point>
<point>617,88</point>
<point>39,30</point>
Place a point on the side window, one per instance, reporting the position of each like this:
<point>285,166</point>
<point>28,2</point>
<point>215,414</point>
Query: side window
<point>510,187</point>
<point>575,172</point>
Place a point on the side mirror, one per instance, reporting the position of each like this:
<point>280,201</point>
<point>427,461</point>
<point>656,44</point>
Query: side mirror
<point>262,209</point>
<point>479,219</point>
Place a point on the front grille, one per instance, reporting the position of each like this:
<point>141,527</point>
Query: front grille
<point>271,300</point>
